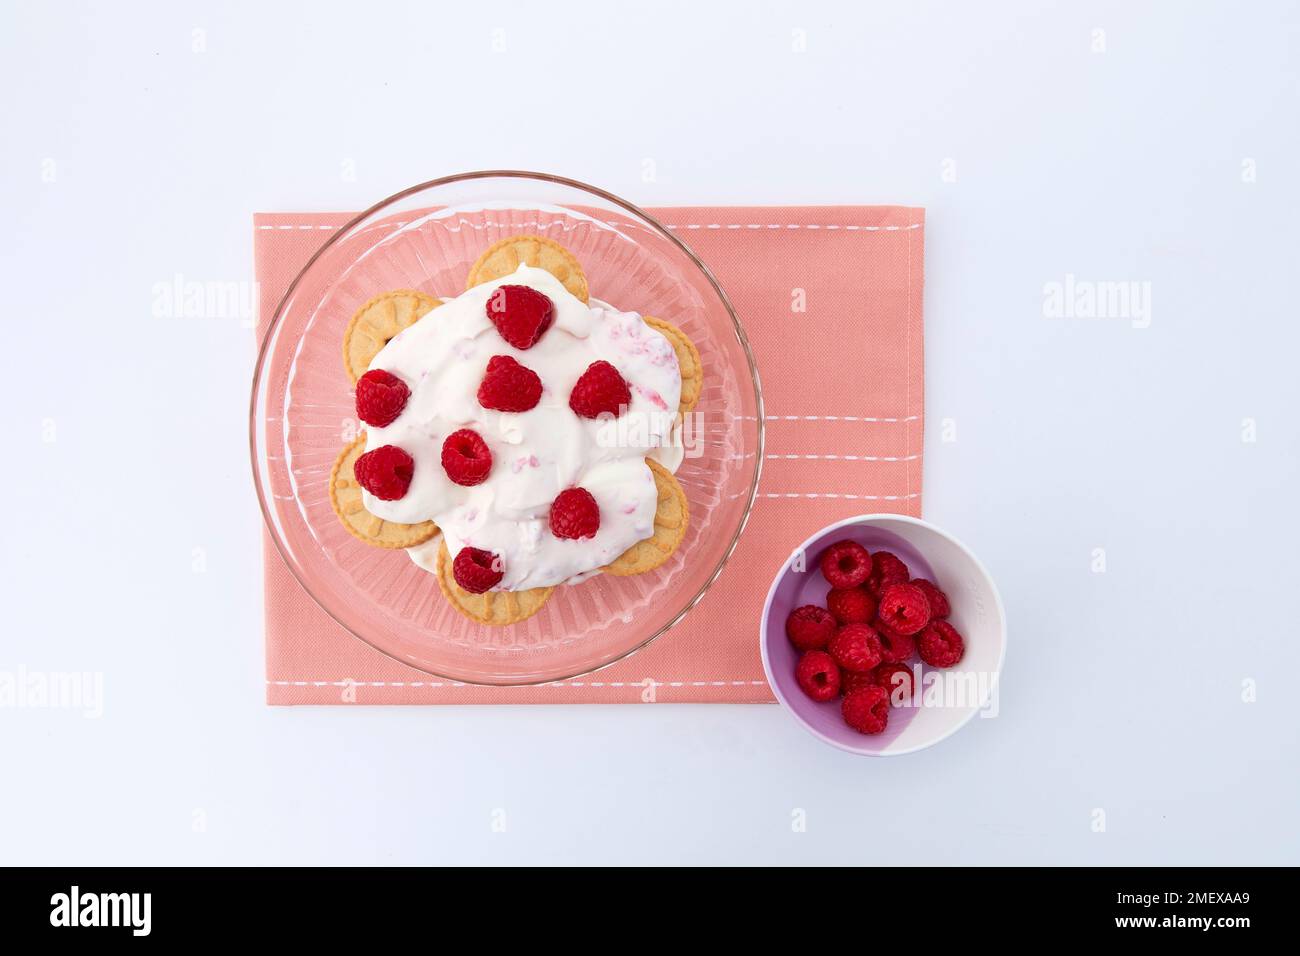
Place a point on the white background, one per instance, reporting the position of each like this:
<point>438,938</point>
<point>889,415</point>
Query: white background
<point>129,156</point>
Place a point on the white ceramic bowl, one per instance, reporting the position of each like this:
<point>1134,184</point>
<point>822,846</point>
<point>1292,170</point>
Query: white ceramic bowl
<point>952,696</point>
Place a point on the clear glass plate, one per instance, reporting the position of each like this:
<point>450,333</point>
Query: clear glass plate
<point>302,414</point>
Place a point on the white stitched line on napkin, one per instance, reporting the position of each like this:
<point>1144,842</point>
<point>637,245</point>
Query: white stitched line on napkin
<point>830,418</point>
<point>684,225</point>
<point>844,457</point>
<point>304,226</point>
<point>791,225</point>
<point>832,494</point>
<point>907,435</point>
<point>325,469</point>
<point>576,683</point>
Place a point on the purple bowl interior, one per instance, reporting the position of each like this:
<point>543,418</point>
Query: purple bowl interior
<point>797,588</point>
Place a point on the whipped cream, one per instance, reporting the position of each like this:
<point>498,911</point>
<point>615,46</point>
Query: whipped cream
<point>538,453</point>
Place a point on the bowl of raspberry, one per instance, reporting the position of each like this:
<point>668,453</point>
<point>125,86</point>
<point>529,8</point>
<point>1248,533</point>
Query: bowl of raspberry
<point>883,635</point>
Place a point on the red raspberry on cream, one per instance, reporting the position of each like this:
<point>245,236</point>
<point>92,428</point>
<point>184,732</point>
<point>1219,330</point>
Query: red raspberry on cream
<point>466,458</point>
<point>521,314</point>
<point>385,472</point>
<point>508,386</point>
<point>506,380</point>
<point>381,396</point>
<point>574,514</point>
<point>600,391</point>
<point>476,570</point>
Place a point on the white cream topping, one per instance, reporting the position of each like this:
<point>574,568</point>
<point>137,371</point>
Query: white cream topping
<point>538,453</point>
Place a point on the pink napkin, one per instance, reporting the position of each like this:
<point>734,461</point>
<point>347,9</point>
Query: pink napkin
<point>831,299</point>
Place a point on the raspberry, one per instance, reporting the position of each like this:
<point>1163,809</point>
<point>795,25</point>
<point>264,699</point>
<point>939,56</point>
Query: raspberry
<point>852,680</point>
<point>381,396</point>
<point>866,709</point>
<point>904,609</point>
<point>855,647</point>
<point>574,514</point>
<point>508,386</point>
<point>810,627</point>
<point>476,570</point>
<point>818,676</point>
<point>385,472</point>
<point>466,458</point>
<point>941,645</point>
<point>845,564</point>
<point>600,390</point>
<point>886,568</point>
<point>520,314</point>
<point>851,605</point>
<point>894,647</point>
<point>898,680</point>
<point>939,606</point>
